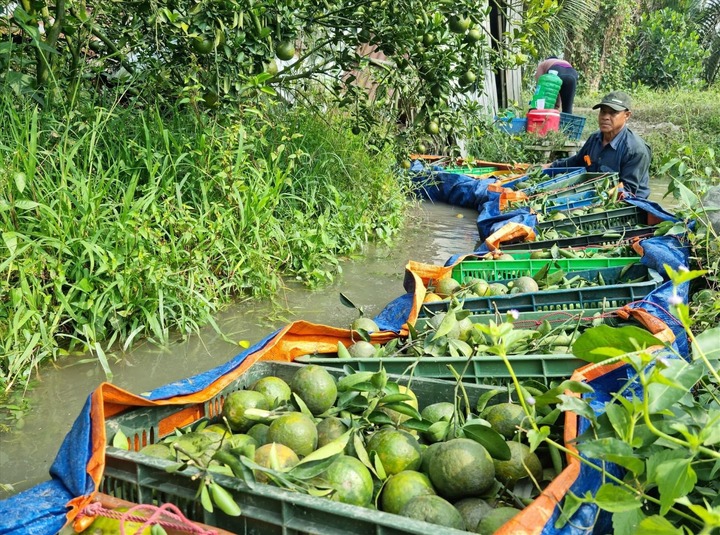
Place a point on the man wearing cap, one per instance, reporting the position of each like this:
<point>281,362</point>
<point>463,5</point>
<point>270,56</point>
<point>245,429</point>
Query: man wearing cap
<point>614,148</point>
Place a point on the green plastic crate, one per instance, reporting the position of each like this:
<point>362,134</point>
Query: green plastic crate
<point>495,270</point>
<point>526,254</point>
<point>487,368</point>
<point>611,219</point>
<point>599,239</point>
<point>618,291</point>
<point>480,370</point>
<point>266,510</point>
<point>470,170</point>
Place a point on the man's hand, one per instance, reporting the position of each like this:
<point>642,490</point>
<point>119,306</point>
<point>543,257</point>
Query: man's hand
<point>546,165</point>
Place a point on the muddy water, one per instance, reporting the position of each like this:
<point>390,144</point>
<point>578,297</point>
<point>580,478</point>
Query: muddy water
<point>433,234</point>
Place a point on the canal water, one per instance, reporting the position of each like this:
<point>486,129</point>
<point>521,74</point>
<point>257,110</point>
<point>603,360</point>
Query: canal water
<point>434,233</point>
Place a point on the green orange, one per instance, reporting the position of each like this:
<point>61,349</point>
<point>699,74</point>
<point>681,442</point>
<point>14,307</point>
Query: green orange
<point>401,488</point>
<point>237,403</point>
<point>461,468</point>
<point>296,430</point>
<point>316,387</point>
<point>398,450</point>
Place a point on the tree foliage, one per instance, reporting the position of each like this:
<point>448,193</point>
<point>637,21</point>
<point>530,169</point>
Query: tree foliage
<point>209,52</point>
<point>667,51</point>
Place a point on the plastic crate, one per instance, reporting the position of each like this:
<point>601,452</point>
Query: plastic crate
<point>626,235</point>
<point>582,183</point>
<point>565,203</point>
<point>480,369</point>
<point>570,182</point>
<point>266,510</point>
<point>526,253</point>
<point>496,270</point>
<point>512,126</point>
<point>618,291</point>
<point>572,125</point>
<point>552,172</point>
<point>607,220</point>
<point>470,171</point>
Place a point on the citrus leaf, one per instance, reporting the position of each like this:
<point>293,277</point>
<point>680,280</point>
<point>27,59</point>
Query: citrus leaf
<point>342,351</point>
<point>598,343</point>
<point>311,469</point>
<point>320,492</point>
<point>331,449</point>
<point>120,441</point>
<point>395,398</point>
<point>205,498</point>
<point>404,408</point>
<point>224,500</point>
<point>300,403</point>
<point>493,441</point>
<point>446,325</point>
<point>349,381</point>
<point>346,302</point>
<point>417,425</point>
<point>483,400</point>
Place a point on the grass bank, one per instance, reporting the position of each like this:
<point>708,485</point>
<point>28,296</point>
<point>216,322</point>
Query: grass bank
<point>132,222</point>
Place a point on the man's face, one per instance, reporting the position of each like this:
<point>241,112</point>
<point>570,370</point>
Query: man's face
<point>612,121</point>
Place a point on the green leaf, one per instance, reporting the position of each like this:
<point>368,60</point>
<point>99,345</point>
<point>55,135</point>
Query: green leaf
<point>657,525</point>
<point>417,425</point>
<point>678,378</point>
<point>342,351</point>
<point>578,406</point>
<point>570,505</point>
<point>349,381</point>
<point>483,400</point>
<point>598,343</point>
<point>346,302</point>
<point>619,419</point>
<point>616,499</point>
<point>448,323</point>
<point>710,434</point>
<point>613,450</point>
<point>707,343</point>
<point>626,522</point>
<point>404,408</point>
<point>333,448</point>
<point>493,441</point>
<point>674,478</point>
<point>311,469</point>
<point>535,438</point>
<point>120,441</point>
<point>205,498</point>
<point>394,398</point>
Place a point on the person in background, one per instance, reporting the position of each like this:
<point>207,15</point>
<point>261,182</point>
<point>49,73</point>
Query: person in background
<point>614,147</point>
<point>569,77</point>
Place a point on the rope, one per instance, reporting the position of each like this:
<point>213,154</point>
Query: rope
<point>167,516</point>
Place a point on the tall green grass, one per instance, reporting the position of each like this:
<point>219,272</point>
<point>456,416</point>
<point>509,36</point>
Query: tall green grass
<point>119,223</point>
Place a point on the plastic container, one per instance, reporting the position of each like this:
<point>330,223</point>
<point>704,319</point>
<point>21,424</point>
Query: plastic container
<point>550,173</point>
<point>481,370</point>
<point>617,291</point>
<point>512,126</point>
<point>266,510</point>
<point>577,183</point>
<point>602,239</point>
<point>608,220</point>
<point>471,171</point>
<point>572,125</point>
<point>546,91</point>
<point>496,270</point>
<point>541,122</point>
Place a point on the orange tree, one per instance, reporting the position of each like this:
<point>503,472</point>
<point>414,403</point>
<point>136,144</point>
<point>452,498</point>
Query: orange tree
<point>210,53</point>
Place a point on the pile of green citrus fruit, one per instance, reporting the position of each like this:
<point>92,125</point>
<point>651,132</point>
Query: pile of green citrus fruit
<point>366,440</point>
